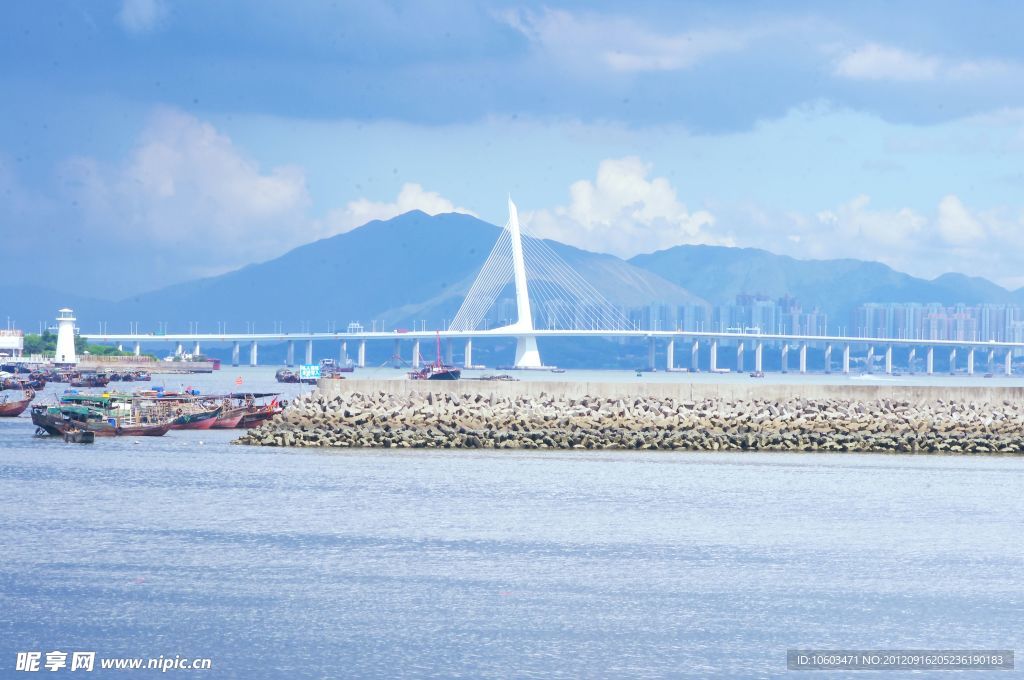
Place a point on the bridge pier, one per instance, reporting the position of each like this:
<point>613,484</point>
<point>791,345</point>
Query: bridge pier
<point>846,359</point>
<point>970,361</point>
<point>253,353</point>
<point>739,357</point>
<point>714,356</point>
<point>179,349</point>
<point>871,359</point>
<point>290,356</point>
<point>930,361</point>
<point>650,354</point>
<point>416,353</point>
<point>235,351</point>
<point>343,354</point>
<point>952,361</point>
<point>1008,363</point>
<point>120,347</point>
<point>888,360</point>
<point>467,357</point>
<point>196,351</point>
<point>803,357</point>
<point>138,349</point>
<point>758,353</point>
<point>694,356</point>
<point>527,354</point>
<point>670,355</point>
<point>396,355</point>
<point>309,351</point>
<point>448,352</point>
<point>828,358</point>
<point>991,361</point>
<point>910,359</point>
<point>784,357</point>
<point>361,357</point>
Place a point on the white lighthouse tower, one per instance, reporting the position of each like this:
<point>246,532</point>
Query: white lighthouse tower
<point>65,353</point>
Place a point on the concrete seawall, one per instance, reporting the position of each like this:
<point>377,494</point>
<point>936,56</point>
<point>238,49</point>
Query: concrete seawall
<point>682,391</point>
<point>680,417</point>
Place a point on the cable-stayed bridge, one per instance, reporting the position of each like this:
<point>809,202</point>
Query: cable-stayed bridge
<point>553,300</point>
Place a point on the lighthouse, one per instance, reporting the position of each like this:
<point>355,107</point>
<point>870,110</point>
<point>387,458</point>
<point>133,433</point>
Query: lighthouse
<point>65,353</point>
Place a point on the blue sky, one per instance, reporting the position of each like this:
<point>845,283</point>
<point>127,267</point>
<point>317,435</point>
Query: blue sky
<point>180,139</point>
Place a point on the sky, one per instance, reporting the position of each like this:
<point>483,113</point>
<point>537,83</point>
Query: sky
<point>162,141</point>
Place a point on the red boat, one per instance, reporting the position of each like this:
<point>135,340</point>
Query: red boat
<point>258,414</point>
<point>230,418</point>
<point>436,370</point>
<point>197,420</point>
<point>11,409</point>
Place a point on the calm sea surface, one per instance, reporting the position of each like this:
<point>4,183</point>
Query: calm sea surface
<point>281,563</point>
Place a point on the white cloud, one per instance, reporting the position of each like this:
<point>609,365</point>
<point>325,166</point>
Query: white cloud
<point>956,224</point>
<point>882,62</point>
<point>141,16</point>
<point>620,44</point>
<point>624,212</point>
<point>950,238</point>
<point>412,196</point>
<point>855,223</point>
<point>878,62</point>
<point>186,183</point>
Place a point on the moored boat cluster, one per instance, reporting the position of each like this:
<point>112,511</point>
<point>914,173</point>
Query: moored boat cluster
<point>150,412</point>
<point>428,420</point>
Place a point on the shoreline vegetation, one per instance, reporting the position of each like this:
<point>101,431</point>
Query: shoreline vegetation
<point>46,346</point>
<point>478,420</point>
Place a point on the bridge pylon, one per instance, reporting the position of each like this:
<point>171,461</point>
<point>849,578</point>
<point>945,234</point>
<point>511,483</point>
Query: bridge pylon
<point>565,300</point>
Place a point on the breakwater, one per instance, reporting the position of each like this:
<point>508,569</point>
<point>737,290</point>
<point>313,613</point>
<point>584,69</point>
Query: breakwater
<point>628,416</point>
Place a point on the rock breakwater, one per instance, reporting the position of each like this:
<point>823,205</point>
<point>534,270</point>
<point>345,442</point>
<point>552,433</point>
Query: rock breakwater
<point>427,420</point>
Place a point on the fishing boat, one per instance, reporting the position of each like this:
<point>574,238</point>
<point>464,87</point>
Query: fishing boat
<point>230,418</point>
<point>436,370</point>
<point>90,380</point>
<point>196,419</point>
<point>114,420</point>
<point>257,414</point>
<point>244,410</point>
<point>12,409</point>
<point>329,368</point>
<point>285,375</point>
<point>186,410</point>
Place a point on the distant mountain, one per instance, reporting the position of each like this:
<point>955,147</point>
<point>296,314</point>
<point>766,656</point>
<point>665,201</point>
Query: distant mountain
<point>718,274</point>
<point>406,270</point>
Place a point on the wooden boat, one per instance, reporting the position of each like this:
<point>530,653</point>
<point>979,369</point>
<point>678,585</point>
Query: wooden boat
<point>90,380</point>
<point>12,409</point>
<point>258,414</point>
<point>57,420</point>
<point>230,418</point>
<point>284,375</point>
<point>72,436</point>
<point>197,420</point>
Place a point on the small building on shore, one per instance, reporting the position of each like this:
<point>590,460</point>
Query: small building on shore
<point>12,343</point>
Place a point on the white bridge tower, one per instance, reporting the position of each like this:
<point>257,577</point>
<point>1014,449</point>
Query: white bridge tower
<point>560,296</point>
<point>527,355</point>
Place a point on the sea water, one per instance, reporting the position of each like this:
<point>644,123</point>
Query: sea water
<point>278,563</point>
